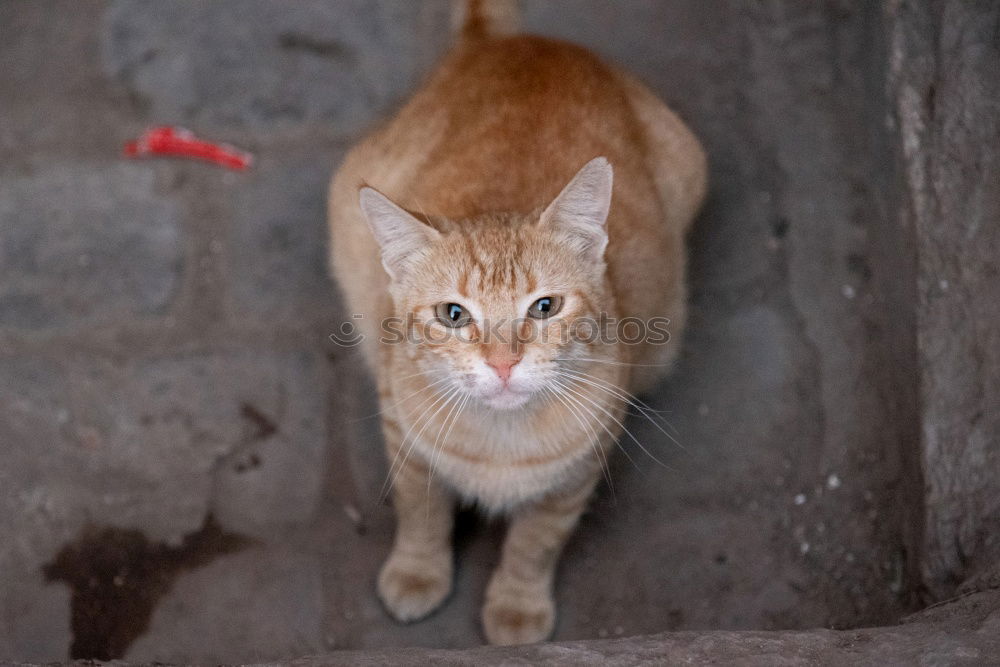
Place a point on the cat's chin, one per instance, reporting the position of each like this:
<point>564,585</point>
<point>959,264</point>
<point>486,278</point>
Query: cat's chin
<point>506,399</point>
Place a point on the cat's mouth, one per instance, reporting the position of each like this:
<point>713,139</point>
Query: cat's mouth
<point>507,398</point>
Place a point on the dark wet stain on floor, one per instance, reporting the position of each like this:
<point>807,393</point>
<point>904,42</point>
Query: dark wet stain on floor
<point>117,576</point>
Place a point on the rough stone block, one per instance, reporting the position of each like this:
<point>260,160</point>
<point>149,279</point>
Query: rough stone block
<point>269,65</point>
<point>178,420</point>
<point>272,481</point>
<point>259,605</point>
<point>277,250</point>
<point>86,244</point>
<point>138,446</point>
<point>37,625</point>
<point>34,618</point>
<point>946,90</point>
<point>962,632</point>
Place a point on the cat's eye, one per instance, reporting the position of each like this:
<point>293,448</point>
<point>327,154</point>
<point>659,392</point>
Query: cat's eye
<point>547,306</point>
<point>452,315</point>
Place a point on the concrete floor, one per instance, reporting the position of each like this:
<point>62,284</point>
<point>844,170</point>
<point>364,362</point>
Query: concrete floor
<point>164,351</point>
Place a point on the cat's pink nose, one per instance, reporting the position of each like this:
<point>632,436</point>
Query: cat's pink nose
<point>503,366</point>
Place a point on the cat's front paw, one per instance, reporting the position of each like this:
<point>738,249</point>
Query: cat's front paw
<point>412,587</point>
<point>516,614</point>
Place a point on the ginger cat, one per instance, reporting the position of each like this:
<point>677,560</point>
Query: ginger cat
<point>486,216</point>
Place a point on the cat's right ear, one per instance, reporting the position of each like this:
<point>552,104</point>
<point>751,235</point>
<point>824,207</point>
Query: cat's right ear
<point>399,234</point>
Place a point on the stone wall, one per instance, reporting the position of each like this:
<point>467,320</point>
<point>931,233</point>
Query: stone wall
<point>945,88</point>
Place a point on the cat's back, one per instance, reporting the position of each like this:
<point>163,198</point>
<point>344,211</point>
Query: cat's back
<point>503,121</point>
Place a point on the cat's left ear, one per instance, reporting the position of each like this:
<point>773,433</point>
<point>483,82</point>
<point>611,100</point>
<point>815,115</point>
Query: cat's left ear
<point>400,236</point>
<point>581,209</point>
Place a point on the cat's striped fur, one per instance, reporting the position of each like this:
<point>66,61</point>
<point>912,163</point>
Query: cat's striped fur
<point>462,208</point>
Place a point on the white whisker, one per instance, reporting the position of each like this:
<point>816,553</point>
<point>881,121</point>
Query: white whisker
<point>594,440</point>
<point>433,400</point>
<point>632,397</point>
<point>617,421</point>
<point>624,396</point>
<point>400,401</point>
<point>588,411</point>
<point>442,401</point>
<point>615,363</point>
<point>454,392</point>
<point>457,411</point>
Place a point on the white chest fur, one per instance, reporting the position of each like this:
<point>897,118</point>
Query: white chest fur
<point>499,463</point>
<point>501,487</point>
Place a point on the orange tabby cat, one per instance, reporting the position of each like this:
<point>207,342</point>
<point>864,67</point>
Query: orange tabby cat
<point>484,218</point>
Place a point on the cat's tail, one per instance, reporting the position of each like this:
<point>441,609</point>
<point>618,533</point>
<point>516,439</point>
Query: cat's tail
<point>475,19</point>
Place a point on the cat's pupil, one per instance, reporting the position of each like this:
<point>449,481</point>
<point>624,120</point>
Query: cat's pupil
<point>454,312</point>
<point>544,305</point>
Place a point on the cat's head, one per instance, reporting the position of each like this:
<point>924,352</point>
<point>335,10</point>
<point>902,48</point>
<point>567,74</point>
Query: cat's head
<point>496,307</point>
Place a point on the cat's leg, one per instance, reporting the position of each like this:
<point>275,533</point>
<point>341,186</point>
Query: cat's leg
<point>417,576</point>
<point>519,607</point>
